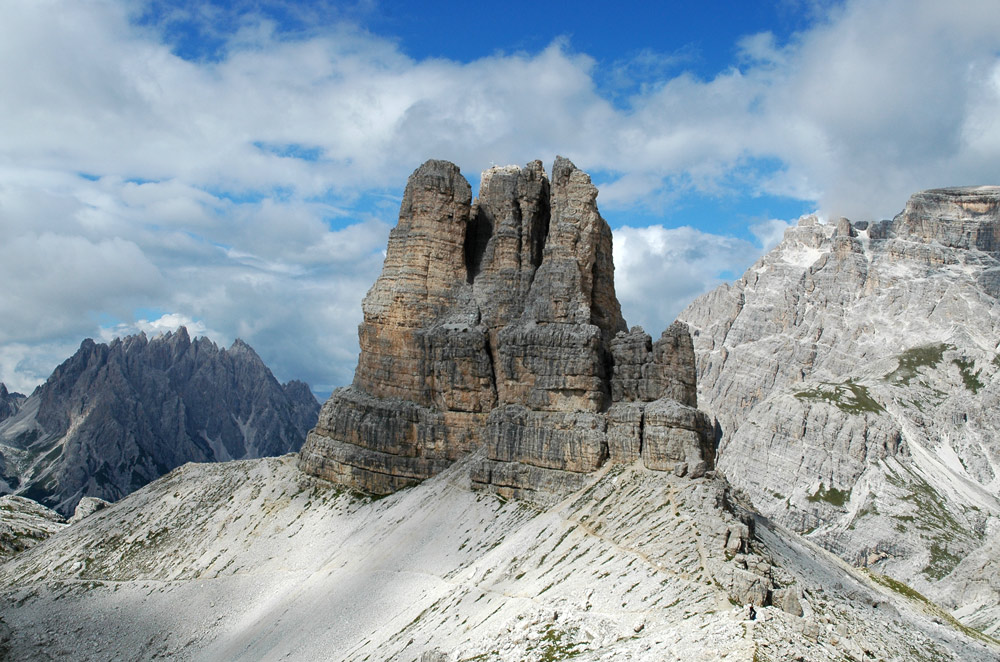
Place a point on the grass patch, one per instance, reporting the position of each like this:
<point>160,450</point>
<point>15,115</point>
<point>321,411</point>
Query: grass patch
<point>925,356</point>
<point>942,561</point>
<point>833,496</point>
<point>849,397</point>
<point>914,595</point>
<point>553,647</point>
<point>899,587</point>
<point>869,508</point>
<point>969,378</point>
<point>932,517</point>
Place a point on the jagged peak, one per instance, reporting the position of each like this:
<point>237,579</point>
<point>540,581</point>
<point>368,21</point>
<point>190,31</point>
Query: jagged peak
<point>242,349</point>
<point>180,336</point>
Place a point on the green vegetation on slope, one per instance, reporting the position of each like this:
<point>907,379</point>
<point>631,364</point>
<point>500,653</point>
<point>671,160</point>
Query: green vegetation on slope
<point>933,519</point>
<point>833,496</point>
<point>969,378</point>
<point>849,397</point>
<point>925,356</point>
<point>914,595</point>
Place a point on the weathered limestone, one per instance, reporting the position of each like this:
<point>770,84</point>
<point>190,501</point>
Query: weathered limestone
<point>495,324</point>
<point>854,373</point>
<point>645,371</point>
<point>959,217</point>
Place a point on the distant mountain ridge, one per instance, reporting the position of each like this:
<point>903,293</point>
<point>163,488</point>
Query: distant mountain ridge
<point>116,416</point>
<point>9,402</point>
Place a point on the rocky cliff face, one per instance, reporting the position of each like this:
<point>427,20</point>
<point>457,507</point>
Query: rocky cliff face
<point>495,324</point>
<point>855,376</point>
<point>114,417</point>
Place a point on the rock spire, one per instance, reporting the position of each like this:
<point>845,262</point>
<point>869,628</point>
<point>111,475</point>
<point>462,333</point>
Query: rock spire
<point>495,324</point>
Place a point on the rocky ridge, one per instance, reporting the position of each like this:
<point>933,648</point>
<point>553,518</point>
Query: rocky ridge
<point>495,326</point>
<point>854,372</point>
<point>9,402</point>
<point>628,547</point>
<point>116,416</point>
<point>25,523</point>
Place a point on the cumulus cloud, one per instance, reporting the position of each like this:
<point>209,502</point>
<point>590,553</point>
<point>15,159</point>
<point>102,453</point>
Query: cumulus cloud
<point>62,281</point>
<point>658,271</point>
<point>250,192</point>
<point>768,233</point>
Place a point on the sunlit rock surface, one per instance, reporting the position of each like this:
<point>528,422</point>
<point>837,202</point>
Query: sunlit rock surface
<point>854,372</point>
<point>494,326</point>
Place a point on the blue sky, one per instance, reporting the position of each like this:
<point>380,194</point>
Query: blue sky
<point>236,166</point>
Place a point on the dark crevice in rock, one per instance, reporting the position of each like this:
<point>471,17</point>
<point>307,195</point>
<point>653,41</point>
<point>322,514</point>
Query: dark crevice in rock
<point>492,360</point>
<point>606,374</point>
<point>604,454</point>
<point>477,236</point>
<point>539,232</point>
<point>642,429</point>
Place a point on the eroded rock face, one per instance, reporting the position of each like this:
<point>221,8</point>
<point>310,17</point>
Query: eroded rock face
<point>495,323</point>
<point>855,375</point>
<point>25,523</point>
<point>114,417</point>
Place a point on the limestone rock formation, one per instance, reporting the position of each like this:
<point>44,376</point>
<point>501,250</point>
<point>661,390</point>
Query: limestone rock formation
<point>253,560</point>
<point>116,416</point>
<point>495,325</point>
<point>25,523</point>
<point>854,372</point>
<point>86,507</point>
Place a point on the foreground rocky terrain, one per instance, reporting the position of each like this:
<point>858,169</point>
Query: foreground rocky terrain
<point>854,374</point>
<point>254,560</point>
<point>114,417</point>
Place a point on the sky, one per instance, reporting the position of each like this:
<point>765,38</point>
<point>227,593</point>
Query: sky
<point>236,166</point>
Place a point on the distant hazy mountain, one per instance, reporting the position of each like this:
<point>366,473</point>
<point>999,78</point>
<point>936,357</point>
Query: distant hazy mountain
<point>9,402</point>
<point>114,417</point>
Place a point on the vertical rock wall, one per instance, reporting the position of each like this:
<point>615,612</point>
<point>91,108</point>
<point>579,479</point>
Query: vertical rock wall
<point>495,323</point>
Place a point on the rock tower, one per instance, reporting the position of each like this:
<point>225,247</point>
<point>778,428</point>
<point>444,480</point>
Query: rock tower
<point>495,324</point>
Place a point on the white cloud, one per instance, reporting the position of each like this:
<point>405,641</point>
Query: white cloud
<point>658,271</point>
<point>23,366</point>
<point>59,283</point>
<point>196,203</point>
<point>768,233</point>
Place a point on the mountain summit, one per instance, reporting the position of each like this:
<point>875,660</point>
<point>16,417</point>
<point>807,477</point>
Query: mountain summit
<point>116,416</point>
<point>495,323</point>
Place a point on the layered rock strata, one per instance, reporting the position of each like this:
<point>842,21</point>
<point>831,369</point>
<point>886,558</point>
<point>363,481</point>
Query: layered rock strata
<point>855,375</point>
<point>495,324</point>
